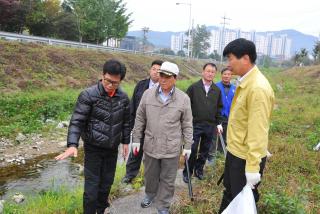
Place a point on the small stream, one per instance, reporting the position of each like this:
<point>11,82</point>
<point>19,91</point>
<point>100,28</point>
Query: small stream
<point>40,174</point>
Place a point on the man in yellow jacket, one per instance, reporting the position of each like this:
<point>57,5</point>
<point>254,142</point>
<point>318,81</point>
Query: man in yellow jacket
<point>249,122</point>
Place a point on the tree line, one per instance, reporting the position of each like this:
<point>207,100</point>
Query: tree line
<point>302,56</point>
<point>92,21</point>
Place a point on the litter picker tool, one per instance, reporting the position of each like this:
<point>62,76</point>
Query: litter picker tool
<point>189,178</point>
<point>222,144</point>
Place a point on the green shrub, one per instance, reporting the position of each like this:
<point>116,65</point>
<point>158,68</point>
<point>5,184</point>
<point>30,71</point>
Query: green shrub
<point>280,203</point>
<point>27,112</point>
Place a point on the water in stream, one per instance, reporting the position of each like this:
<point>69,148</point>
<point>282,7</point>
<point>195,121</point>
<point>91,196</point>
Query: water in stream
<point>40,174</point>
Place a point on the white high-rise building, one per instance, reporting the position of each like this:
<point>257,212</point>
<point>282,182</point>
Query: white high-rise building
<point>261,43</point>
<point>247,35</point>
<point>287,49</point>
<point>274,46</point>
<point>214,41</point>
<point>177,42</point>
<point>220,39</point>
<point>278,47</point>
<point>229,36</point>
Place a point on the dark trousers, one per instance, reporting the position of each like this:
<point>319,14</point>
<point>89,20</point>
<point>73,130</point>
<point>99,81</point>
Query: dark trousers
<point>224,133</point>
<point>134,163</point>
<point>235,179</point>
<point>198,159</point>
<point>99,170</point>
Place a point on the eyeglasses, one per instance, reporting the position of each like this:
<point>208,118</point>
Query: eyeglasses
<point>110,82</point>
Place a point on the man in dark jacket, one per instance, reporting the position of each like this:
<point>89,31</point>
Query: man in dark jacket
<point>102,119</point>
<point>134,161</point>
<point>206,105</point>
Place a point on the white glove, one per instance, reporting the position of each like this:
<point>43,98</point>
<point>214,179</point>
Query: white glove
<point>253,178</point>
<point>220,129</point>
<point>135,148</point>
<point>186,152</point>
<point>268,154</point>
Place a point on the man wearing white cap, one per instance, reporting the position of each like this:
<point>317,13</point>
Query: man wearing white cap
<point>164,117</point>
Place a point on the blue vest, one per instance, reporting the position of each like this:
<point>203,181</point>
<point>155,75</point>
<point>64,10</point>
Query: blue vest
<point>226,99</point>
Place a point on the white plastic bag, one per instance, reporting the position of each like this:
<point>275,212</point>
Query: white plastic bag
<point>243,203</point>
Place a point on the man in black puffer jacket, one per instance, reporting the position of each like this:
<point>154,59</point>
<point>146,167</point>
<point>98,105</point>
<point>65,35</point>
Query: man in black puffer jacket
<point>102,119</point>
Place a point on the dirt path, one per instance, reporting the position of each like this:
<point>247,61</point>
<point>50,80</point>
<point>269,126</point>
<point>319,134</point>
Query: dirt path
<point>131,204</point>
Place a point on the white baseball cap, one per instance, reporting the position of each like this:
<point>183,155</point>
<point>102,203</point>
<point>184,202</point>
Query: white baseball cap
<point>169,68</point>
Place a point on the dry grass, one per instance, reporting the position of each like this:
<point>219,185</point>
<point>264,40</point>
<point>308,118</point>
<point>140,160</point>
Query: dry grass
<point>33,66</point>
<point>291,180</point>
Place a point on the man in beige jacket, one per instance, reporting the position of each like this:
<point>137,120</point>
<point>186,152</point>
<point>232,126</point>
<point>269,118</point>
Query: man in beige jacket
<point>164,116</point>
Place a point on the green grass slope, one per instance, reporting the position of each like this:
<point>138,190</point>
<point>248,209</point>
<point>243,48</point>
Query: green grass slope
<point>40,82</point>
<point>27,66</point>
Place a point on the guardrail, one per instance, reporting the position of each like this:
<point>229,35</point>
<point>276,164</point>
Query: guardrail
<point>50,41</point>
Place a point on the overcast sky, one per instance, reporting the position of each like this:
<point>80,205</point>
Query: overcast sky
<point>267,15</point>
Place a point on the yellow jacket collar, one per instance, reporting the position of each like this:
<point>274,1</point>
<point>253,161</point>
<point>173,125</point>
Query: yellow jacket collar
<point>249,77</point>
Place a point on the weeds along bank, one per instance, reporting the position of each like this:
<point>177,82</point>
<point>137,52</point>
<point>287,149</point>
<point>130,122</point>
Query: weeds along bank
<point>291,178</point>
<point>40,83</point>
<point>39,111</point>
<point>30,112</point>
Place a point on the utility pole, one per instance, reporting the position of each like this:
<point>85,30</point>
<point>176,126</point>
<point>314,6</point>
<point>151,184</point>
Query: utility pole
<point>189,26</point>
<point>79,25</point>
<point>145,30</point>
<point>222,38</point>
<point>191,40</point>
<point>189,36</point>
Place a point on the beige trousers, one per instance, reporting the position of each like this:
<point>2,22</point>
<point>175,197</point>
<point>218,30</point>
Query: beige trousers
<point>160,175</point>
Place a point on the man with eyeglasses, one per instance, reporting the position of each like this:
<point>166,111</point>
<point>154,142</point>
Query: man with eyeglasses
<point>134,160</point>
<point>102,119</point>
<point>164,120</point>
